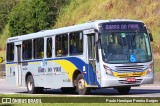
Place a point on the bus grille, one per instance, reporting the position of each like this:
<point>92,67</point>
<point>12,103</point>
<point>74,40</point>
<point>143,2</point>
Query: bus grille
<point>124,69</point>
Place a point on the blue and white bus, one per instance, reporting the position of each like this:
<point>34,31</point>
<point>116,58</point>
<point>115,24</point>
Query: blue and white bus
<point>98,54</point>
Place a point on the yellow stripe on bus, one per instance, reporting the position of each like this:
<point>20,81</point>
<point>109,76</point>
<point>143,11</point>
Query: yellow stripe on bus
<point>67,66</point>
<point>131,74</point>
<point>7,65</point>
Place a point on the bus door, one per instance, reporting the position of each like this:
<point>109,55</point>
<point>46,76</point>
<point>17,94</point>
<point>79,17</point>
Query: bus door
<point>91,58</point>
<point>18,71</point>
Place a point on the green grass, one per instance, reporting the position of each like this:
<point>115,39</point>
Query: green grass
<point>80,11</point>
<point>91,104</point>
<point>61,103</point>
<point>157,65</point>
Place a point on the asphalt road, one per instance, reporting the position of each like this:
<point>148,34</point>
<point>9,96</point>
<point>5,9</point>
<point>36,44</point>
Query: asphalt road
<point>151,90</point>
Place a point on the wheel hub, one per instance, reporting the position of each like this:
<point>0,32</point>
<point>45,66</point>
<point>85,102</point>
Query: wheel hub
<point>30,85</point>
<point>81,84</point>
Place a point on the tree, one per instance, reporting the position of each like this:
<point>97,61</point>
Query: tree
<point>33,15</point>
<point>54,7</point>
<point>28,16</point>
<point>5,8</point>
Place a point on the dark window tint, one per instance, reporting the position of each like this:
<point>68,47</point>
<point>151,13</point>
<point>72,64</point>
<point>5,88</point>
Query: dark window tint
<point>27,49</point>
<point>38,48</point>
<point>49,47</point>
<point>10,52</point>
<point>76,43</point>
<point>61,45</point>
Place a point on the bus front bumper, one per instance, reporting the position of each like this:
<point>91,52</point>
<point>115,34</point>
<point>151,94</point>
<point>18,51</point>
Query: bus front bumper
<point>116,82</point>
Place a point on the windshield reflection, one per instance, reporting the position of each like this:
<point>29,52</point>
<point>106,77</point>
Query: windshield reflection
<point>120,47</point>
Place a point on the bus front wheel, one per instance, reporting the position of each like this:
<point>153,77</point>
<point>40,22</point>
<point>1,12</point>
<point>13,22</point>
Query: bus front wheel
<point>123,90</point>
<point>80,86</point>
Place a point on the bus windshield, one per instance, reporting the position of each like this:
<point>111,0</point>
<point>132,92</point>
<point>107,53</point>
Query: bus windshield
<point>125,47</point>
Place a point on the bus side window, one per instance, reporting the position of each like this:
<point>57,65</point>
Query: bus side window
<point>49,47</point>
<point>61,45</point>
<point>27,49</point>
<point>38,48</point>
<point>10,52</point>
<point>76,43</point>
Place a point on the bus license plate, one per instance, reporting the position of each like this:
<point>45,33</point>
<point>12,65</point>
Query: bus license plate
<point>131,80</point>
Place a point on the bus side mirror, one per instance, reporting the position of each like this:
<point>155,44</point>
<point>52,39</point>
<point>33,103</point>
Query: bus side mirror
<point>150,36</point>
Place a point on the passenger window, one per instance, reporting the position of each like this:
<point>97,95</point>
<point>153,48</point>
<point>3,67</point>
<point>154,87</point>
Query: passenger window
<point>38,48</point>
<point>27,49</point>
<point>61,45</point>
<point>49,47</point>
<point>10,52</point>
<point>76,43</point>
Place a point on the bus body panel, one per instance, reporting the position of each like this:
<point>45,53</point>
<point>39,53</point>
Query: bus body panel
<point>11,73</point>
<point>56,70</point>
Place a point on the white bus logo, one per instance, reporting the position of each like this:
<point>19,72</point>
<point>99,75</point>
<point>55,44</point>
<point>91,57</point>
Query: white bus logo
<point>6,100</point>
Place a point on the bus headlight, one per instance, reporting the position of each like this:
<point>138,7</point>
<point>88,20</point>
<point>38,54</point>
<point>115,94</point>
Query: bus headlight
<point>150,69</point>
<point>108,70</point>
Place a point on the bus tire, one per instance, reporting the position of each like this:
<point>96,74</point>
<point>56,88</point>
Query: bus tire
<point>80,85</point>
<point>30,85</point>
<point>123,90</point>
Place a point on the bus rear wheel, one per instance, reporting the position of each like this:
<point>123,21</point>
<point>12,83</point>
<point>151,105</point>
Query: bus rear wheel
<point>80,86</point>
<point>31,87</point>
<point>123,90</point>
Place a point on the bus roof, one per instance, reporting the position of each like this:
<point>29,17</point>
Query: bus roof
<point>74,28</point>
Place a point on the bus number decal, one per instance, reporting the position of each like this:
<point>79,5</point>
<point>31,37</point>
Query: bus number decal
<point>25,68</point>
<point>84,68</point>
<point>66,80</point>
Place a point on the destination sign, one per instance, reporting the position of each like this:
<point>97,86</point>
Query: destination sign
<point>123,26</point>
